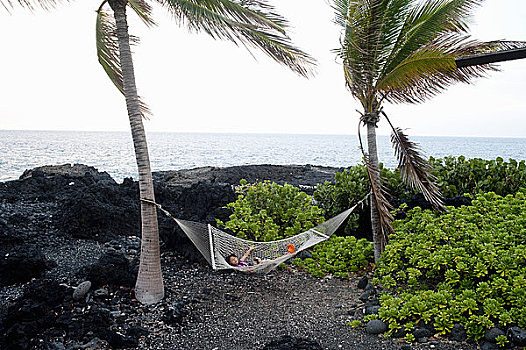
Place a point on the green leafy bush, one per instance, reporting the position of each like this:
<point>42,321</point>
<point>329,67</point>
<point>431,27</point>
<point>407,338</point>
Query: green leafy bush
<point>501,340</point>
<point>349,187</point>
<point>338,256</point>
<point>456,176</point>
<point>266,211</point>
<point>467,266</point>
<point>355,323</point>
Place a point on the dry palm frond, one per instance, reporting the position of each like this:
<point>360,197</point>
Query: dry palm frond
<point>382,204</point>
<point>251,23</point>
<point>378,195</point>
<point>414,169</point>
<point>369,29</point>
<point>108,52</point>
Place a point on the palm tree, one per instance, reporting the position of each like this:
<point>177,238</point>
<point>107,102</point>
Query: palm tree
<point>403,51</point>
<point>252,23</point>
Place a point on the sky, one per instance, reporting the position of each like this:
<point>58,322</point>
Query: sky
<point>50,79</point>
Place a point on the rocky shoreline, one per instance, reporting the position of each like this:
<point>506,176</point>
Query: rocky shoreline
<point>62,226</point>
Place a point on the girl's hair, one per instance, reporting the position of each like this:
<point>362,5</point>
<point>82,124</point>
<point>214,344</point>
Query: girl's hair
<point>228,258</point>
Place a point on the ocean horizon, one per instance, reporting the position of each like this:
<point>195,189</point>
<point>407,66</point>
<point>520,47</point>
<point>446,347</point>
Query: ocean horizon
<point>112,151</point>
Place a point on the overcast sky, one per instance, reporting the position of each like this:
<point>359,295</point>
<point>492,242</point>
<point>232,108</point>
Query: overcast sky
<point>50,79</point>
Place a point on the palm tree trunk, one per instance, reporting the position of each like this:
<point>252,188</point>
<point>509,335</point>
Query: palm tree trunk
<point>149,287</point>
<point>375,174</point>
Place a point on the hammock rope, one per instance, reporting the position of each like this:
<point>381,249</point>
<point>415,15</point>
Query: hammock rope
<point>216,245</point>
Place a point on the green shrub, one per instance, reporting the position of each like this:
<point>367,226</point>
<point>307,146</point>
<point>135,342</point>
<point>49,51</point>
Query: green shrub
<point>501,340</point>
<point>349,187</point>
<point>456,176</point>
<point>355,323</point>
<point>338,256</point>
<point>467,266</point>
<point>266,211</point>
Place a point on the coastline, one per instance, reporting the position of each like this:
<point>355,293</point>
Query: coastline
<point>20,150</point>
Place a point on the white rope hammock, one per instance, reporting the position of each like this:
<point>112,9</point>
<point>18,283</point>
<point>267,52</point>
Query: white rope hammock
<point>216,245</point>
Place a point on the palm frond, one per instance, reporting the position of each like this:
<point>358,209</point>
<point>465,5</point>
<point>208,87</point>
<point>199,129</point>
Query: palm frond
<point>427,21</point>
<point>244,12</point>
<point>357,42</point>
<point>419,77</point>
<point>143,10</point>
<point>108,48</point>
<point>108,52</point>
<point>248,22</point>
<point>414,169</point>
<point>455,14</point>
<point>379,192</point>
<point>431,69</point>
<point>31,4</point>
<point>369,29</point>
<point>342,11</point>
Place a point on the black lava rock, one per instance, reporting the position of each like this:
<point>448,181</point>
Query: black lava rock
<point>47,291</point>
<point>422,333</point>
<point>118,341</point>
<point>458,333</point>
<point>362,283</point>
<point>22,264</point>
<point>402,332</point>
<point>304,254</point>
<point>287,342</point>
<point>96,321</point>
<point>517,336</point>
<point>492,333</point>
<point>175,314</point>
<point>486,345</point>
<point>202,202</point>
<point>364,297</point>
<point>25,319</point>
<point>135,332</point>
<point>429,326</point>
<point>29,315</point>
<point>372,310</point>
<point>51,346</point>
<point>100,212</point>
<point>5,232</point>
<point>372,302</point>
<point>307,175</point>
<point>371,288</point>
<point>375,327</point>
<point>112,269</point>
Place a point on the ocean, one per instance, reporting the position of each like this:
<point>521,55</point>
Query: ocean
<point>113,151</point>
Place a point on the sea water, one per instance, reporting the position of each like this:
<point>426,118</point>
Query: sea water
<point>113,151</point>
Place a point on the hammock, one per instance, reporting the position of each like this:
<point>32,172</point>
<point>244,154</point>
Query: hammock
<point>216,245</point>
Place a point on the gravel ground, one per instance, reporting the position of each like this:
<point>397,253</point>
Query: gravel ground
<point>235,311</point>
<point>206,309</point>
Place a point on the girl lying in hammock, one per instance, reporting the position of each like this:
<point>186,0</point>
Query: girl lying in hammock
<point>233,260</point>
